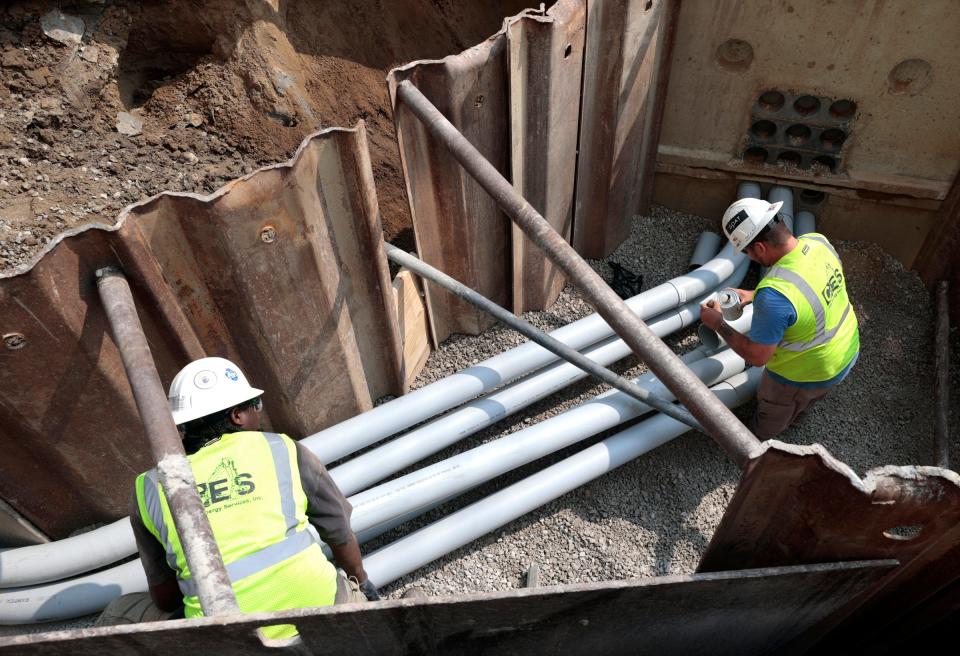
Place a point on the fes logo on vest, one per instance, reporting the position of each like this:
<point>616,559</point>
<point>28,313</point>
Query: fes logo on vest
<point>834,284</point>
<point>226,484</point>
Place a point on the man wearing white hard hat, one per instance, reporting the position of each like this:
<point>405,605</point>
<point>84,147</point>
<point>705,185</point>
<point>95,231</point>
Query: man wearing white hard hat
<point>260,492</point>
<point>804,329</point>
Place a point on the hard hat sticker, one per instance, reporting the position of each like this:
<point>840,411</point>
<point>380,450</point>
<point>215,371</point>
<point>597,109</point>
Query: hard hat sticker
<point>737,219</point>
<point>231,374</point>
<point>205,380</point>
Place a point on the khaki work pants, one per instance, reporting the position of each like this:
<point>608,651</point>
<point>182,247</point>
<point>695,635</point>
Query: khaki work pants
<point>779,405</point>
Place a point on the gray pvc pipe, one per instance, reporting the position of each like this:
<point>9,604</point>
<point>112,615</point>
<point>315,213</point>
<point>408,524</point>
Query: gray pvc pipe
<point>358,473</point>
<point>483,463</point>
<point>784,194</point>
<point>713,341</point>
<point>806,223</point>
<point>440,538</point>
<point>708,245</point>
<point>53,561</point>
<point>374,425</point>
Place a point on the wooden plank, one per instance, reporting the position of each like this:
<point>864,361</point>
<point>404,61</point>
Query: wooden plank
<point>746,612</point>
<point>546,61</point>
<point>412,318</point>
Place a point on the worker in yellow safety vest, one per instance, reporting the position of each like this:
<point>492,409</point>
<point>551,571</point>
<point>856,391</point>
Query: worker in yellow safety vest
<point>261,493</point>
<point>804,330</point>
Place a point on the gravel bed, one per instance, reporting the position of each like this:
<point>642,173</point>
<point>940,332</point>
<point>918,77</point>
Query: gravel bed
<point>655,515</point>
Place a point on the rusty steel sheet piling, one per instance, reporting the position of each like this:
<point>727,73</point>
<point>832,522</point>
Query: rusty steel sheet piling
<point>722,425</point>
<point>546,62</point>
<point>281,271</point>
<point>176,477</point>
<point>626,67</point>
<point>458,227</point>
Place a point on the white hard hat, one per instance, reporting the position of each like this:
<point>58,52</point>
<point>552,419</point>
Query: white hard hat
<point>206,386</point>
<point>745,218</point>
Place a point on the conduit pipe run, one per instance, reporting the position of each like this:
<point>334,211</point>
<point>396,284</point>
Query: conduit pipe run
<point>805,224</point>
<point>440,538</point>
<point>708,244</point>
<point>784,194</point>
<point>536,335</point>
<point>483,463</point>
<point>360,472</point>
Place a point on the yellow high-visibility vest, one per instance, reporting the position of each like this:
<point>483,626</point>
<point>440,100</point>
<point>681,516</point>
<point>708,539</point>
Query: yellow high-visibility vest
<point>250,487</point>
<point>825,338</point>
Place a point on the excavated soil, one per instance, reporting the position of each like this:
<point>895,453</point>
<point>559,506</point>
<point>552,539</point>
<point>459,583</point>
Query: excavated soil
<point>221,87</point>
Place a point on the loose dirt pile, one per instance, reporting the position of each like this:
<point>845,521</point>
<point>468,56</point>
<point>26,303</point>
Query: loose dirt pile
<point>203,90</point>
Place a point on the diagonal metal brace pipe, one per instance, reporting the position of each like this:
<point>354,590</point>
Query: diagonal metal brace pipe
<point>536,335</point>
<point>722,425</point>
<point>176,476</point>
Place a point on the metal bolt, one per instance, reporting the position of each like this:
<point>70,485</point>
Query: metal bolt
<point>14,341</point>
<point>268,234</point>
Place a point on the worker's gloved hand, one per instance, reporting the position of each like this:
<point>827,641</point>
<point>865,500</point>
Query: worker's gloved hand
<point>370,590</point>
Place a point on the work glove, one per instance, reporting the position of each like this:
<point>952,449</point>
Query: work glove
<point>369,590</point>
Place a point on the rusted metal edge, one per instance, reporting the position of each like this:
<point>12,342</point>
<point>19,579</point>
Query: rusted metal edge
<point>798,504</point>
<point>700,613</point>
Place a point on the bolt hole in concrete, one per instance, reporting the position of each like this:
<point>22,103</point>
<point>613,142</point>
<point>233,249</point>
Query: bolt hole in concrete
<point>843,109</point>
<point>911,76</point>
<point>14,341</point>
<point>798,134</point>
<point>789,158</point>
<point>567,51</point>
<point>825,161</point>
<point>806,105</point>
<point>763,129</point>
<point>903,533</point>
<point>772,101</point>
<point>832,139</point>
<point>268,234</point>
<point>755,155</point>
<point>735,55</point>
<point>648,6</point>
<point>812,197</point>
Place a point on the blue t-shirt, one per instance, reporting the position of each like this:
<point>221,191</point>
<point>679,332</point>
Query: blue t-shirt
<point>772,315</point>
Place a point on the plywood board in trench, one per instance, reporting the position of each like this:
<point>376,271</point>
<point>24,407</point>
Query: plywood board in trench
<point>736,613</point>
<point>282,271</point>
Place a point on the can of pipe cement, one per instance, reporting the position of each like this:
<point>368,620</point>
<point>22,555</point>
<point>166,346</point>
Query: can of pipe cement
<point>729,304</point>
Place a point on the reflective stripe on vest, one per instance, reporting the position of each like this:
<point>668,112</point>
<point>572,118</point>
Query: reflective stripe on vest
<point>822,336</point>
<point>294,543</point>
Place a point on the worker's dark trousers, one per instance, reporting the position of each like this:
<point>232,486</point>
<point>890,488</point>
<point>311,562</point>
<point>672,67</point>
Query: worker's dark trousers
<point>779,405</point>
